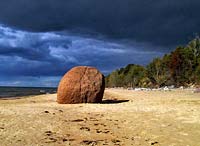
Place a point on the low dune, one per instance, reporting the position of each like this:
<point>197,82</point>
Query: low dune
<point>125,118</point>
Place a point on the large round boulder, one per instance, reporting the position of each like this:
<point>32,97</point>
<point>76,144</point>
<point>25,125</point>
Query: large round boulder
<point>81,84</point>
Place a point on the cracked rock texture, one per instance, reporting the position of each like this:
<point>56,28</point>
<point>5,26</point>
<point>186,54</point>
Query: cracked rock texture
<point>81,84</point>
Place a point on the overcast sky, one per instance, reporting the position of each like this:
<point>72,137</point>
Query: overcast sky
<point>42,39</point>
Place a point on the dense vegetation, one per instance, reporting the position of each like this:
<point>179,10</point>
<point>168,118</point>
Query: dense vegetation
<point>179,68</point>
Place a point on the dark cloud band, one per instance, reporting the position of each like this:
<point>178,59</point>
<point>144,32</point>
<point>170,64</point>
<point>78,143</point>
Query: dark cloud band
<point>53,53</point>
<point>163,22</point>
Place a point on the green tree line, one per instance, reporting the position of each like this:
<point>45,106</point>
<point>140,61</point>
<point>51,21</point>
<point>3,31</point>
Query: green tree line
<point>181,67</point>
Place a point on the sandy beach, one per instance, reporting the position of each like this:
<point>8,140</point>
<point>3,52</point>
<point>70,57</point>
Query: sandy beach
<point>138,118</point>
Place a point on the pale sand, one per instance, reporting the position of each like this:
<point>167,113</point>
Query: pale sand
<point>170,118</point>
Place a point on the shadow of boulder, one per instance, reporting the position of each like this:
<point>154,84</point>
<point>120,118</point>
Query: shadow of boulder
<point>113,101</point>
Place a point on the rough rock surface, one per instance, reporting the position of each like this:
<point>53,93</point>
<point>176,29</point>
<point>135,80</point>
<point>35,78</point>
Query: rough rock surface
<point>81,84</point>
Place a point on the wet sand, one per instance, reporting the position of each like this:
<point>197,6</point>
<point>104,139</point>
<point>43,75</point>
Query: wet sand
<point>138,118</point>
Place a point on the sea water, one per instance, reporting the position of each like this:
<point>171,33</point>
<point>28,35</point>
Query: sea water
<point>6,92</point>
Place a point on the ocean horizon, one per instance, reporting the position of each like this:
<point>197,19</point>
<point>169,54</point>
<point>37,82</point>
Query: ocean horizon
<point>17,91</point>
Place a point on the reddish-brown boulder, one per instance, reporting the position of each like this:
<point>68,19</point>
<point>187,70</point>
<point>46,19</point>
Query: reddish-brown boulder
<point>81,84</point>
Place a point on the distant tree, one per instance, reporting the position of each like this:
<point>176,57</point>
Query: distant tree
<point>197,75</point>
<point>194,45</point>
<point>134,75</point>
<point>176,65</point>
<point>113,80</point>
<point>156,72</point>
<point>180,67</point>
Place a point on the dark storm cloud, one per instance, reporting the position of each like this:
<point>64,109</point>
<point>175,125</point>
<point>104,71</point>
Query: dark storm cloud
<point>41,39</point>
<point>24,53</point>
<point>160,22</point>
